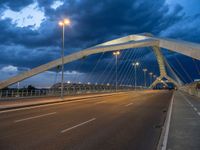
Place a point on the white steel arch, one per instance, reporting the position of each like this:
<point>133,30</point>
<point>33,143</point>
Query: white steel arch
<point>131,41</point>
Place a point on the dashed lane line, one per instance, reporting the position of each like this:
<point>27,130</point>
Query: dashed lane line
<point>78,125</point>
<point>193,107</point>
<point>34,117</point>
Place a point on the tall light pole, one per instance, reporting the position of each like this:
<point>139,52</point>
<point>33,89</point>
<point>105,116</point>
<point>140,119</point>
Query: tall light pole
<point>154,76</point>
<point>151,74</point>
<point>63,23</point>
<point>145,82</point>
<point>135,64</point>
<point>116,57</point>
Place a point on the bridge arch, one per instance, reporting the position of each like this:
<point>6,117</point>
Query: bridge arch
<point>131,41</point>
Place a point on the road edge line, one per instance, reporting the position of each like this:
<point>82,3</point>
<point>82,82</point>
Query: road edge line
<point>162,144</point>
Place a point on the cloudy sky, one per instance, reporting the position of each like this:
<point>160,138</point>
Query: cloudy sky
<point>30,35</point>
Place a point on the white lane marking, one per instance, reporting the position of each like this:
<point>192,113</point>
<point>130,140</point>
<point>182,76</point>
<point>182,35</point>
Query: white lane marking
<point>193,107</point>
<point>129,104</point>
<point>34,117</point>
<point>168,120</point>
<point>78,125</point>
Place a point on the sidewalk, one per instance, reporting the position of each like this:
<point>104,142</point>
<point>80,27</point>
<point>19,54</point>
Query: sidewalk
<point>184,132</point>
<point>11,104</point>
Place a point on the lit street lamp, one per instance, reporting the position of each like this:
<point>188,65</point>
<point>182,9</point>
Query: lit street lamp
<point>154,76</point>
<point>145,82</point>
<point>151,74</point>
<point>116,57</point>
<point>63,23</point>
<point>135,67</point>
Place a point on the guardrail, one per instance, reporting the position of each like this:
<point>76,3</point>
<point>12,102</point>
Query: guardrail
<point>16,94</point>
<point>192,89</point>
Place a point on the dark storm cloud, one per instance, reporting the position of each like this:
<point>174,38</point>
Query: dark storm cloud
<point>185,29</point>
<point>15,5</point>
<point>93,22</point>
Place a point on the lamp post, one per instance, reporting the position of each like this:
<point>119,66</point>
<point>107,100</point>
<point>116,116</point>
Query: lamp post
<point>145,82</point>
<point>63,23</point>
<point>116,57</point>
<point>154,76</point>
<point>135,64</point>
<point>151,74</point>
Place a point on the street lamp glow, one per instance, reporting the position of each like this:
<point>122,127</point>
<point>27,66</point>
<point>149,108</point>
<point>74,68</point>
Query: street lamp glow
<point>145,70</point>
<point>116,53</point>
<point>60,23</point>
<point>136,64</point>
<point>65,22</point>
<point>150,73</point>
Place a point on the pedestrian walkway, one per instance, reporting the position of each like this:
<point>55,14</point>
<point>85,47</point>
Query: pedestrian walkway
<point>184,132</point>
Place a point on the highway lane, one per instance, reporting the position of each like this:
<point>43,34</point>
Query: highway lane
<point>123,121</point>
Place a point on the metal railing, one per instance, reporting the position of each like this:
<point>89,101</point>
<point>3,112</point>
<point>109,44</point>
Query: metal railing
<point>16,94</point>
<point>192,88</point>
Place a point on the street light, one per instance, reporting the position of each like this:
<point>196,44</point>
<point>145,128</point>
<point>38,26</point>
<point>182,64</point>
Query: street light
<point>116,56</point>
<point>135,64</point>
<point>63,23</point>
<point>145,82</point>
<point>151,74</point>
<point>154,76</point>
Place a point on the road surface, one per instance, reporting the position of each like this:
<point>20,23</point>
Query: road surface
<point>126,121</point>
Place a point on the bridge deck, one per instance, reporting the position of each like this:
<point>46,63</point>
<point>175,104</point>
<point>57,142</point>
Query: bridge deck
<point>129,120</point>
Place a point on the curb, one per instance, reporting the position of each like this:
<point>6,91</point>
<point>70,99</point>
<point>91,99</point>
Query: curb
<point>162,144</point>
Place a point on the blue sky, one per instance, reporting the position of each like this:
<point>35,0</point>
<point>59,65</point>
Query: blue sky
<point>30,35</point>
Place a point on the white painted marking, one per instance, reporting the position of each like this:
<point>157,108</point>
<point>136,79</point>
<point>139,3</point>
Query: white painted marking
<point>78,125</point>
<point>168,120</point>
<point>193,107</point>
<point>34,117</point>
<point>129,104</point>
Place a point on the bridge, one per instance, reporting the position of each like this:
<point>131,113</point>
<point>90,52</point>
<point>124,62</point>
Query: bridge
<point>116,95</point>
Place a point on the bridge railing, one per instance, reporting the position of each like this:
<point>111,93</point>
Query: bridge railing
<point>16,94</point>
<point>192,89</point>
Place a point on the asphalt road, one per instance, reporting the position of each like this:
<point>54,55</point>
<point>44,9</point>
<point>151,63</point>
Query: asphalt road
<point>126,121</point>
